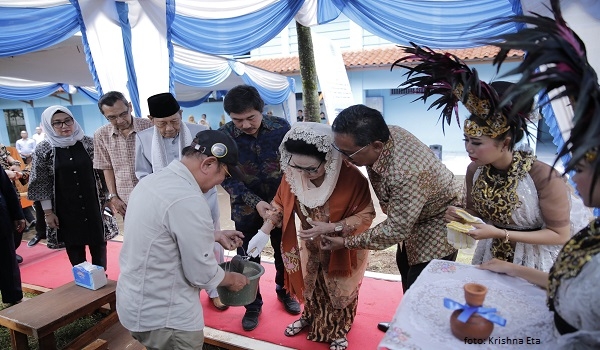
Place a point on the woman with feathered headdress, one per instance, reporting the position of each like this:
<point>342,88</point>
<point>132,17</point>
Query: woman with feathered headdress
<point>527,212</point>
<point>573,281</point>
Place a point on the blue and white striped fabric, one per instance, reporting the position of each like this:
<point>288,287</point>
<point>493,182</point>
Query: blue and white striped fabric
<point>144,47</point>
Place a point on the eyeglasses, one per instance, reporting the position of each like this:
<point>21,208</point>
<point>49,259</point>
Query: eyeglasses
<point>349,155</point>
<point>228,175</point>
<point>60,124</point>
<point>310,170</point>
<point>123,115</point>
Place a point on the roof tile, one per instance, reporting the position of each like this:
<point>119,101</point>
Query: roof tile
<point>379,57</point>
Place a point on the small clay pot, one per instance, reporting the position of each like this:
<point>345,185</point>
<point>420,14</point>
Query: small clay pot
<point>476,326</point>
<point>475,293</point>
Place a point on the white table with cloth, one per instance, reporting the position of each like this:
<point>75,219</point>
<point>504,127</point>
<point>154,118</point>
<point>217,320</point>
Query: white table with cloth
<point>422,322</point>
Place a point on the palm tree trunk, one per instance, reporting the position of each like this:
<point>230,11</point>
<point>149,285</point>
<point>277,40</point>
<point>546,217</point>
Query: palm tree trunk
<point>308,73</point>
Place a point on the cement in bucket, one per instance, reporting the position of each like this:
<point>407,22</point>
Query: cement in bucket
<point>247,294</point>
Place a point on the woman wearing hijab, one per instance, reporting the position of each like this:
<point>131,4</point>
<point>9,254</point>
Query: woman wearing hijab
<point>331,198</point>
<point>70,190</point>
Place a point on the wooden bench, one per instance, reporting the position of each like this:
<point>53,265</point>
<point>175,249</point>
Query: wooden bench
<point>41,316</point>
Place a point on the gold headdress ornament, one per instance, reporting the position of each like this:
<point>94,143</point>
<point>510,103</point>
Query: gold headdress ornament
<point>497,123</point>
<point>446,75</point>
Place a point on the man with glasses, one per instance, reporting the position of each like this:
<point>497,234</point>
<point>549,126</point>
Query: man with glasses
<point>413,186</point>
<point>114,148</point>
<point>166,255</point>
<point>258,138</point>
<point>158,146</point>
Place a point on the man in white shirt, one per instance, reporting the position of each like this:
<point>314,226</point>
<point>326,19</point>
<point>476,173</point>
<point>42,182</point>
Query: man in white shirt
<point>25,146</point>
<point>166,257</point>
<point>159,145</point>
<point>39,136</point>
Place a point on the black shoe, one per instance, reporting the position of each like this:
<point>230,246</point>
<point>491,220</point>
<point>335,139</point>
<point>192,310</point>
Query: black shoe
<point>290,304</point>
<point>250,320</point>
<point>383,326</point>
<point>19,259</point>
<point>35,240</point>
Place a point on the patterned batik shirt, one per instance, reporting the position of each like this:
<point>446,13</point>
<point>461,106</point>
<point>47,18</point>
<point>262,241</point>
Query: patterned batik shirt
<point>259,161</point>
<point>117,152</point>
<point>414,189</point>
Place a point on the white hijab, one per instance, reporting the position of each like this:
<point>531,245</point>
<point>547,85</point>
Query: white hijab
<point>321,136</point>
<point>51,135</point>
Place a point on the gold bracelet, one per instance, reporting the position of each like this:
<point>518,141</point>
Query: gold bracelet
<point>506,236</point>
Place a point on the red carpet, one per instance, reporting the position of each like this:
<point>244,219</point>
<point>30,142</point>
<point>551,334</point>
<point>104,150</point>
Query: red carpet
<point>378,300</point>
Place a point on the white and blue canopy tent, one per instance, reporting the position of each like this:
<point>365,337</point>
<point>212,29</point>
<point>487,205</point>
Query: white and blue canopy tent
<point>143,47</point>
<point>150,46</point>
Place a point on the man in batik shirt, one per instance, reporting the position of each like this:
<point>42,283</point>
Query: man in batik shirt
<point>258,138</point>
<point>413,186</point>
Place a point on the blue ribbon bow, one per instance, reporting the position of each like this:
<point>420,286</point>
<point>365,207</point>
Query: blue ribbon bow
<point>486,312</point>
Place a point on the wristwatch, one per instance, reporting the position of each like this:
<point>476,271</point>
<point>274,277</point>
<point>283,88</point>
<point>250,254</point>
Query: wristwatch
<point>111,196</point>
<point>339,227</point>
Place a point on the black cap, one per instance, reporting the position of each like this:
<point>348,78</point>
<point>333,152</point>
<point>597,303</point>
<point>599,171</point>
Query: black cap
<point>220,145</point>
<point>162,105</point>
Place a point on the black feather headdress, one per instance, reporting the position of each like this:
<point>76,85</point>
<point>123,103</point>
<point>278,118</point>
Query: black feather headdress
<point>446,75</point>
<point>556,59</point>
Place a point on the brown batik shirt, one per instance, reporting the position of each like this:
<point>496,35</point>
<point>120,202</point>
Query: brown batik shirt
<point>414,189</point>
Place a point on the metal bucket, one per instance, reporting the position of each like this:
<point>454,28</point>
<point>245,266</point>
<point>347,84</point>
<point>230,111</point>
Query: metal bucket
<point>247,294</point>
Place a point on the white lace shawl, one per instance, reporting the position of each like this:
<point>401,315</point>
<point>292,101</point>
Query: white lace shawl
<point>321,136</point>
<point>529,216</point>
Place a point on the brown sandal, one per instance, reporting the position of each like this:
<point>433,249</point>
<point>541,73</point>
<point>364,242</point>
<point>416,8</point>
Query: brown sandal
<point>339,344</point>
<point>294,328</point>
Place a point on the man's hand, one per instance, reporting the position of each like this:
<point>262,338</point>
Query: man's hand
<point>332,243</point>
<point>11,174</point>
<point>229,239</point>
<point>51,220</point>
<point>234,281</point>
<point>117,205</point>
<point>20,225</point>
<point>262,207</point>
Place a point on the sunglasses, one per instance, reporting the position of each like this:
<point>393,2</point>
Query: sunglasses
<point>310,170</point>
<point>349,155</point>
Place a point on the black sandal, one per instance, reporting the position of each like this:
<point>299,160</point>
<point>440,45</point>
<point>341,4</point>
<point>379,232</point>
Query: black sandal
<point>339,344</point>
<point>294,328</point>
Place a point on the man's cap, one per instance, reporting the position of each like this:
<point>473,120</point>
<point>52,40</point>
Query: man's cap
<point>220,145</point>
<point>163,105</point>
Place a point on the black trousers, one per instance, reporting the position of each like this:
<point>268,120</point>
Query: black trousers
<point>410,273</point>
<point>10,275</point>
<point>40,220</point>
<point>249,229</point>
<point>76,254</point>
